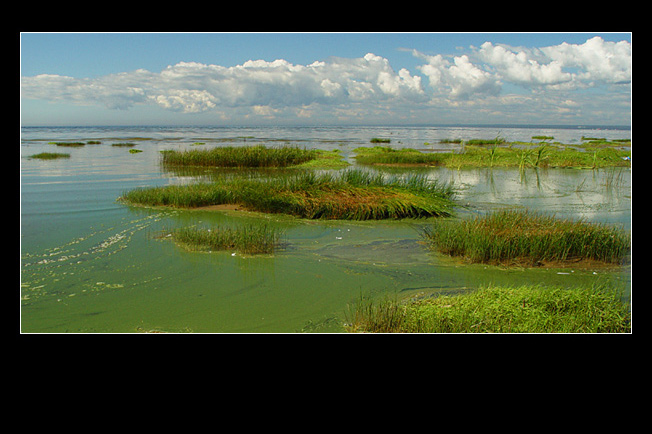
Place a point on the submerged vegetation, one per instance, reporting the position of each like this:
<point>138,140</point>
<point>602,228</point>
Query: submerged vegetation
<point>248,239</point>
<point>543,155</point>
<point>527,238</point>
<point>349,195</point>
<point>524,309</point>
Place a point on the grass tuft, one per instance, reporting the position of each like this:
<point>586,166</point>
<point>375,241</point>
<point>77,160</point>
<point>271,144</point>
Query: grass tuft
<point>248,239</point>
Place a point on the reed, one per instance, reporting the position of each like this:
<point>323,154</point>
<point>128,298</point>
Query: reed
<point>527,238</point>
<point>242,156</point>
<point>349,195</point>
<point>247,239</point>
<point>523,309</point>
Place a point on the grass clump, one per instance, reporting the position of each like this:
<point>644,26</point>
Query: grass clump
<point>49,155</point>
<point>69,144</point>
<point>527,238</point>
<point>247,239</point>
<point>242,156</point>
<point>348,195</point>
<point>380,140</point>
<point>524,309</point>
<point>124,145</point>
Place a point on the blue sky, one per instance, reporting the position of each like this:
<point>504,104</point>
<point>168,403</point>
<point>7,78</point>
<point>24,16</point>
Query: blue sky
<point>331,78</point>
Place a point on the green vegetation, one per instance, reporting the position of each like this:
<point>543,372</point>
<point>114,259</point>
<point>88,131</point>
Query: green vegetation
<point>126,145</point>
<point>350,195</point>
<point>498,156</point>
<point>242,156</point>
<point>524,309</point>
<point>496,141</point>
<point>527,238</point>
<point>379,140</point>
<point>68,144</point>
<point>93,142</point>
<point>458,141</point>
<point>49,155</point>
<point>135,151</point>
<point>542,137</point>
<point>248,239</point>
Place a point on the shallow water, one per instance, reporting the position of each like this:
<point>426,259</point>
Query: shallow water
<point>90,264</point>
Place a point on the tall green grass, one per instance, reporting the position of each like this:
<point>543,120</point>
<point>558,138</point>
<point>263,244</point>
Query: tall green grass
<point>350,195</point>
<point>242,156</point>
<point>248,239</point>
<point>528,238</point>
<point>524,309</point>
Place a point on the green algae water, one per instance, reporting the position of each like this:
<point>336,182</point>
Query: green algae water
<point>90,264</point>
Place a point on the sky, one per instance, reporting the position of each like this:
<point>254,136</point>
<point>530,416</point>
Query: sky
<point>325,78</point>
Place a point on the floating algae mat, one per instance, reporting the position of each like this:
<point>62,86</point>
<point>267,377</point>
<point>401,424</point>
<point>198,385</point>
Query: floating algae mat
<point>91,264</point>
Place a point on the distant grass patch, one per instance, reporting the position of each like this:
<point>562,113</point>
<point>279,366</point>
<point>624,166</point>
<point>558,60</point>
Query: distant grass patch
<point>242,156</point>
<point>248,239</point>
<point>380,140</point>
<point>348,195</point>
<point>524,309</point>
<point>135,151</point>
<point>49,155</point>
<point>69,144</point>
<point>124,145</point>
<point>93,142</point>
<point>527,238</point>
<point>498,156</point>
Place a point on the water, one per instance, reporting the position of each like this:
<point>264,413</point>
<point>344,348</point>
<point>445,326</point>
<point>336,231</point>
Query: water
<point>90,264</point>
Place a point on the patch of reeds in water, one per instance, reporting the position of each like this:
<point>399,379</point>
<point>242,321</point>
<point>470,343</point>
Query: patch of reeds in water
<point>527,238</point>
<point>524,309</point>
<point>536,156</point>
<point>49,155</point>
<point>247,239</point>
<point>350,195</point>
<point>241,156</point>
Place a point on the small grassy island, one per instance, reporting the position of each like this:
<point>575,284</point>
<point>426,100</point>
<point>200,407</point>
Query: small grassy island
<point>526,238</point>
<point>257,156</point>
<point>347,195</point>
<point>49,155</point>
<point>249,239</point>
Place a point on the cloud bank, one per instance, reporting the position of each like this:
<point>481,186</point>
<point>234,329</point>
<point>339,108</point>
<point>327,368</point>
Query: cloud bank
<point>552,76</point>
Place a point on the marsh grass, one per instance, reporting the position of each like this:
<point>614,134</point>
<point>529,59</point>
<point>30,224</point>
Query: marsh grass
<point>124,145</point>
<point>49,155</point>
<point>536,156</point>
<point>247,239</point>
<point>349,195</point>
<point>241,156</point>
<point>69,144</point>
<point>524,309</point>
<point>526,238</point>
